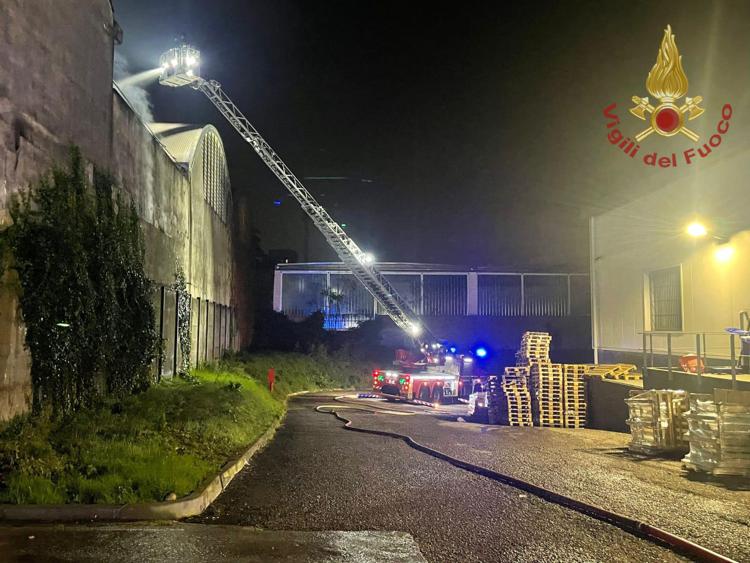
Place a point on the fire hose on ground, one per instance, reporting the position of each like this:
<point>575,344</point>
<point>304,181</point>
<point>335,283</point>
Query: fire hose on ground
<point>630,525</point>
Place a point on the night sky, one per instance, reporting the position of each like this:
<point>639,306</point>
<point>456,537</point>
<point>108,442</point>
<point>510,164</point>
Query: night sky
<point>466,134</point>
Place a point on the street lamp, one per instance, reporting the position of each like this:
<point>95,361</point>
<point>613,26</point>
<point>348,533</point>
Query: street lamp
<point>724,253</point>
<point>696,229</point>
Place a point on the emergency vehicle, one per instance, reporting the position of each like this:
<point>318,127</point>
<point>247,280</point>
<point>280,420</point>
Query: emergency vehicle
<point>437,377</point>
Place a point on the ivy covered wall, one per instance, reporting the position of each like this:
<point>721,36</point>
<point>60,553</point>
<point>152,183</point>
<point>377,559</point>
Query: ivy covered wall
<point>77,249</point>
<point>50,102</point>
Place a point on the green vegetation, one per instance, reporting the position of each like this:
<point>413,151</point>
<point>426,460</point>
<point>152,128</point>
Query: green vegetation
<point>170,438</point>
<point>78,252</point>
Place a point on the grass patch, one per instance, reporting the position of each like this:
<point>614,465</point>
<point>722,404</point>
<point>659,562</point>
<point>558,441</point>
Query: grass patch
<point>168,439</point>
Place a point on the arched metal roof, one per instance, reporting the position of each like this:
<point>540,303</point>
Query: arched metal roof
<point>199,146</point>
<point>180,139</point>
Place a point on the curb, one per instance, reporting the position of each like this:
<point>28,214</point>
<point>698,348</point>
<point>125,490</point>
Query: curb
<point>191,505</point>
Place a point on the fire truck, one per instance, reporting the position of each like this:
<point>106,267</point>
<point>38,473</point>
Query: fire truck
<point>437,377</point>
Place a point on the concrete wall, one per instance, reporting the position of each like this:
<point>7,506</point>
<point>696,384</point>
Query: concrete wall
<point>56,61</point>
<point>607,409</point>
<point>649,234</point>
<point>55,89</point>
<point>659,378</point>
<point>180,227</point>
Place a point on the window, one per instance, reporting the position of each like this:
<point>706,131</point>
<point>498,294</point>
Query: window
<point>665,299</point>
<point>215,176</point>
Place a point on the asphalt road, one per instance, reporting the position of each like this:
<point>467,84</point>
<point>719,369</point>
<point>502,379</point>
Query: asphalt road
<point>179,543</point>
<point>317,476</point>
<point>595,467</point>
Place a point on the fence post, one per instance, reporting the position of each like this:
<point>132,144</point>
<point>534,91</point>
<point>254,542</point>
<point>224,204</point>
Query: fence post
<point>327,301</point>
<point>177,347</point>
<point>651,347</point>
<point>278,290</point>
<point>472,294</point>
<point>734,361</point>
<point>699,364</point>
<point>205,346</point>
<point>198,336</point>
<point>421,294</point>
<point>669,355</point>
<point>161,333</point>
<point>644,354</point>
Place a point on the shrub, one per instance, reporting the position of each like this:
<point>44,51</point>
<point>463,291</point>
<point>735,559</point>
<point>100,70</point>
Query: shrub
<point>84,296</point>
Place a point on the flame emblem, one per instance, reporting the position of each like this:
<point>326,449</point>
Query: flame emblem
<point>667,82</point>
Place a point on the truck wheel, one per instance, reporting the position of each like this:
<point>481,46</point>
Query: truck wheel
<point>437,395</point>
<point>424,393</point>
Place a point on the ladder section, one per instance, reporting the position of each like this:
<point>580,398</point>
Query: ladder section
<point>347,250</point>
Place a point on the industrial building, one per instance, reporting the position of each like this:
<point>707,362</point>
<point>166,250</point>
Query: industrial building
<point>466,305</point>
<point>57,91</point>
<point>670,273</point>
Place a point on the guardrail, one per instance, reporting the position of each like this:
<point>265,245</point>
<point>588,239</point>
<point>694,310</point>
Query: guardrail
<point>723,348</point>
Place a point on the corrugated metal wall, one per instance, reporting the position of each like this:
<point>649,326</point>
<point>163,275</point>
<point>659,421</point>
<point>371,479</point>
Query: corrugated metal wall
<point>444,295</point>
<point>499,295</point>
<point>346,303</point>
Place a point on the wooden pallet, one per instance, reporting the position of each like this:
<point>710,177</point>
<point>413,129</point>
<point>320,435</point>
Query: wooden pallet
<point>517,371</point>
<point>612,371</point>
<point>575,397</point>
<point>577,424</point>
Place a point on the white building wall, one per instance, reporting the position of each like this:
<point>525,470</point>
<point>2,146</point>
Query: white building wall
<point>649,234</point>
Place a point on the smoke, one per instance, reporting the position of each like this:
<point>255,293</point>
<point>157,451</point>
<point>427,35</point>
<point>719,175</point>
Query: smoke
<point>131,87</point>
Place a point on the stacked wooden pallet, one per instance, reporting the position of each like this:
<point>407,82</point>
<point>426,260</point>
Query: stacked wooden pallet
<point>518,375</point>
<point>719,433</point>
<point>515,389</point>
<point>657,422</point>
<point>575,406</point>
<point>548,394</point>
<point>508,399</point>
<point>534,348</point>
<point>619,372</point>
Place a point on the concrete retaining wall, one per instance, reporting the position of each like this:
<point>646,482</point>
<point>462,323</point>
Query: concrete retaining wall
<point>54,64</point>
<point>56,61</point>
<point>658,378</point>
<point>607,408</point>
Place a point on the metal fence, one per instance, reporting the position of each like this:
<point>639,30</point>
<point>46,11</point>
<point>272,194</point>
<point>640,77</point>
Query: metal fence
<point>702,353</point>
<point>345,302</point>
<point>213,331</point>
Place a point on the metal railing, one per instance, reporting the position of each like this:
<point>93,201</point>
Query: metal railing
<point>705,362</point>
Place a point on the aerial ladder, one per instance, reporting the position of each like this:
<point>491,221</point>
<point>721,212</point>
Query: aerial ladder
<point>180,66</point>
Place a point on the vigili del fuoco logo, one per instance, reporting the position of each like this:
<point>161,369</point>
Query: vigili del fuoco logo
<point>666,116</point>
